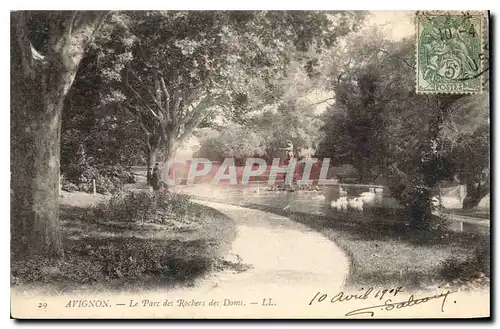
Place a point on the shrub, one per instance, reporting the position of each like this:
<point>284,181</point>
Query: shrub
<point>143,206</point>
<point>108,179</point>
<point>454,268</point>
<point>90,261</point>
<point>440,222</point>
<point>471,268</point>
<point>482,256</point>
<point>66,185</point>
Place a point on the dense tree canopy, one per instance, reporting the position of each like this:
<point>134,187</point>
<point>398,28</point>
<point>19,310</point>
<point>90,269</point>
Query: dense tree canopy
<point>391,134</point>
<point>199,64</point>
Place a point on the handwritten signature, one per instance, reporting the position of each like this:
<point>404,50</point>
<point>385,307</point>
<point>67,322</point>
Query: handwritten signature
<point>389,305</point>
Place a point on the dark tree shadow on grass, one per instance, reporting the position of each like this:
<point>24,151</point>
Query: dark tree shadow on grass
<point>100,256</point>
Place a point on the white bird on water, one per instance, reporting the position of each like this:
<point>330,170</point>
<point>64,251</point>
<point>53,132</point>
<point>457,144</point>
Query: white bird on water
<point>340,203</point>
<point>319,197</point>
<point>356,203</point>
<point>367,196</point>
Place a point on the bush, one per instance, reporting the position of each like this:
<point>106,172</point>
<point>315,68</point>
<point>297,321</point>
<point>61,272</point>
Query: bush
<point>482,256</point>
<point>66,185</point>
<point>143,206</point>
<point>108,179</point>
<point>471,268</point>
<point>440,223</point>
<point>89,261</point>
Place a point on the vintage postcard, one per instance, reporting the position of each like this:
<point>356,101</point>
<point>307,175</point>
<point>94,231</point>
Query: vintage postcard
<point>250,164</point>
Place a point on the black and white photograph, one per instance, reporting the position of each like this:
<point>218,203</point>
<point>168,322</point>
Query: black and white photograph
<point>250,164</point>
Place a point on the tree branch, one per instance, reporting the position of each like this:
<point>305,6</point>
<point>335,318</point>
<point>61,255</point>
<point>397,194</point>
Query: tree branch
<point>165,92</point>
<point>136,94</point>
<point>157,92</point>
<point>321,102</point>
<point>195,116</point>
<point>28,52</point>
<point>174,109</point>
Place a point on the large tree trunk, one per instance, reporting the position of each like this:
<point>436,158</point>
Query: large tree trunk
<point>35,178</point>
<point>38,88</point>
<point>169,154</point>
<point>152,151</point>
<point>151,158</point>
<point>420,210</point>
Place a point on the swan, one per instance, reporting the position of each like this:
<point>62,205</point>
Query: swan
<point>319,197</point>
<point>379,190</point>
<point>356,203</point>
<point>342,191</point>
<point>341,203</point>
<point>344,203</point>
<point>367,196</point>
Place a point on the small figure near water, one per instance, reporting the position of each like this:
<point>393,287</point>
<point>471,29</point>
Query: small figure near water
<point>155,177</point>
<point>149,176</point>
<point>342,192</point>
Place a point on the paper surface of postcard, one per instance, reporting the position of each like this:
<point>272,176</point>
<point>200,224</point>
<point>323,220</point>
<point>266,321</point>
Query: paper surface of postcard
<point>250,164</point>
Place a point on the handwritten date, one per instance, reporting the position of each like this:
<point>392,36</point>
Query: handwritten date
<point>388,304</point>
<point>363,294</point>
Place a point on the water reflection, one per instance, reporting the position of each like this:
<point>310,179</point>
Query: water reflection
<point>379,205</point>
<point>309,201</point>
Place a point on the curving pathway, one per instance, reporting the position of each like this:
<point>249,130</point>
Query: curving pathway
<point>282,254</point>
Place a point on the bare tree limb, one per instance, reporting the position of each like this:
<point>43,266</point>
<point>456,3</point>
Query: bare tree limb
<point>136,94</point>
<point>167,98</point>
<point>165,92</point>
<point>174,109</point>
<point>202,105</point>
<point>196,116</point>
<point>157,88</point>
<point>321,102</point>
<point>188,128</point>
<point>156,101</point>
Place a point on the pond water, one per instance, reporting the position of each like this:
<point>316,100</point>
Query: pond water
<point>379,205</point>
<point>310,201</point>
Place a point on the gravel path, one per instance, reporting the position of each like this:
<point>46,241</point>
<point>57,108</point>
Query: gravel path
<point>281,253</point>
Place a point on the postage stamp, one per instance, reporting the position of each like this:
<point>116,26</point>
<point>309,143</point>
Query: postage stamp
<point>449,52</point>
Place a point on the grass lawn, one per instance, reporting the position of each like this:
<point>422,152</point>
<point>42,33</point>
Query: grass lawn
<point>104,255</point>
<point>390,254</point>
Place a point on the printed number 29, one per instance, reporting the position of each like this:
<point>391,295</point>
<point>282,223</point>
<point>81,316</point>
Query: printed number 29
<point>42,305</point>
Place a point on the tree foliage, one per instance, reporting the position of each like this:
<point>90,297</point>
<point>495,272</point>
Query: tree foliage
<point>390,133</point>
<point>173,70</point>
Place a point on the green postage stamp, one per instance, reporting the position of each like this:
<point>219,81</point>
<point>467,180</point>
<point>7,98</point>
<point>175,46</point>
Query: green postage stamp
<point>450,52</point>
